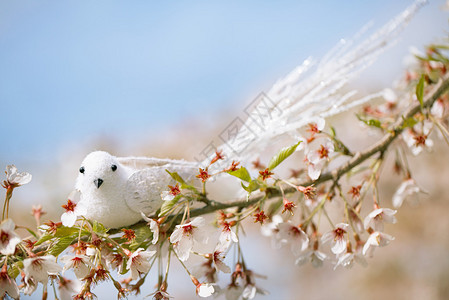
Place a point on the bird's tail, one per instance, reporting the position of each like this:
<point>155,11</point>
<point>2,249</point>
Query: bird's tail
<point>312,90</point>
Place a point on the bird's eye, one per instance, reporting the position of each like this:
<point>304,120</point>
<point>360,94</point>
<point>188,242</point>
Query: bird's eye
<point>114,167</point>
<point>82,170</point>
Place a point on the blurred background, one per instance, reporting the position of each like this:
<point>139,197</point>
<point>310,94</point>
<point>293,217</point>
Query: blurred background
<point>161,79</point>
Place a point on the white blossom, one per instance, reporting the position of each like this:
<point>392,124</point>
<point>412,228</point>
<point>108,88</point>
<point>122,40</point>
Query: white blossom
<point>184,236</point>
<point>205,290</point>
<point>227,236</point>
<point>80,264</point>
<point>417,138</point>
<point>154,227</point>
<point>8,285</point>
<point>437,109</point>
<point>293,235</point>
<point>218,257</point>
<point>338,238</point>
<point>348,259</point>
<point>68,288</point>
<point>377,217</point>
<point>8,238</point>
<point>314,256</point>
<point>15,179</point>
<point>40,267</point>
<point>376,239</point>
<point>405,190</point>
<point>317,158</point>
<point>73,208</point>
<point>138,262</point>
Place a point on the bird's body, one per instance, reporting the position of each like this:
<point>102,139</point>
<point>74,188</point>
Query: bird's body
<point>114,191</point>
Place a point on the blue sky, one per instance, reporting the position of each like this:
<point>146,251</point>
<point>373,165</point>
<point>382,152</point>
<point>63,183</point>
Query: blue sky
<point>70,71</point>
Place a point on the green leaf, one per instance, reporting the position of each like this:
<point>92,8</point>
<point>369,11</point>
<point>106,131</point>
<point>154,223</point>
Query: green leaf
<point>14,270</point>
<point>44,238</point>
<point>142,233</point>
<point>409,122</point>
<point>420,90</point>
<point>333,132</point>
<point>32,232</point>
<point>241,173</point>
<point>179,179</point>
<point>98,228</point>
<point>252,186</point>
<point>370,122</point>
<point>61,245</point>
<point>168,205</point>
<point>282,155</point>
<point>66,231</point>
<point>176,177</point>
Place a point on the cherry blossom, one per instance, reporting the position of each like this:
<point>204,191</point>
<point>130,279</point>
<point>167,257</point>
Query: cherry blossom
<point>29,285</point>
<point>227,236</point>
<point>270,228</point>
<point>377,217</point>
<point>376,239</point>
<point>437,109</point>
<point>68,288</point>
<point>138,262</point>
<point>348,259</point>
<point>417,139</point>
<point>314,256</point>
<point>39,267</point>
<point>293,235</point>
<point>79,263</point>
<point>160,295</point>
<point>405,190</point>
<point>7,285</point>
<point>184,236</point>
<point>73,209</point>
<point>8,238</point>
<point>219,255</point>
<point>15,179</point>
<point>317,158</point>
<point>154,227</point>
<point>338,238</point>
<point>205,290</point>
<point>171,194</point>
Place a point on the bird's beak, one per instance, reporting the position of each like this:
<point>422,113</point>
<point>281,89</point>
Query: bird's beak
<point>98,182</point>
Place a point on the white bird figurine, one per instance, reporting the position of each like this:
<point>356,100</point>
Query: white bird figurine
<point>115,190</point>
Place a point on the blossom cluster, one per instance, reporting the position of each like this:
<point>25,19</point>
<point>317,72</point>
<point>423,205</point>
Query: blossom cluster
<point>316,212</point>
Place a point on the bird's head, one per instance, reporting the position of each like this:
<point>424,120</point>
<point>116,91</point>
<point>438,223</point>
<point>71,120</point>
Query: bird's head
<point>99,170</point>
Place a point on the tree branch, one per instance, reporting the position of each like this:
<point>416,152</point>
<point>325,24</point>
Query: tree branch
<point>358,158</point>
